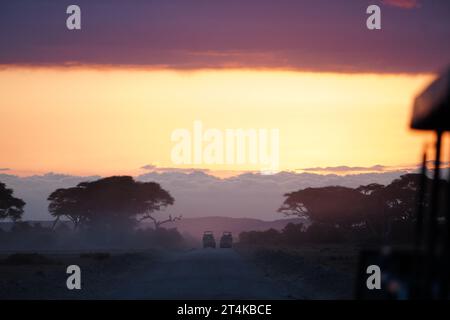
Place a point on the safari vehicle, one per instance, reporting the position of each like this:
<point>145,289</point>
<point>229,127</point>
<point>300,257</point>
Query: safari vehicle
<point>208,240</point>
<point>227,240</point>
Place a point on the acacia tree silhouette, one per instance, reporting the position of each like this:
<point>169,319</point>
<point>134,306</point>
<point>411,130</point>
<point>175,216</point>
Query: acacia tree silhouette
<point>117,201</point>
<point>10,206</point>
<point>329,205</point>
<point>376,206</point>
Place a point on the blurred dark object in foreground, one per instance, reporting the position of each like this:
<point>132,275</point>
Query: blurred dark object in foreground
<point>423,270</point>
<point>431,110</point>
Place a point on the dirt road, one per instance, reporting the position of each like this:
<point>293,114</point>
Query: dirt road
<point>200,274</point>
<point>191,274</point>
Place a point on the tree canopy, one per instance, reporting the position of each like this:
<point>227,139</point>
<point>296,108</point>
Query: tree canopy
<point>117,201</point>
<point>333,205</point>
<point>10,206</point>
<point>373,205</point>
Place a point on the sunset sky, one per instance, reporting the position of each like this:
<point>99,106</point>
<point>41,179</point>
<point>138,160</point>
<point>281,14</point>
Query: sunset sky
<point>105,99</point>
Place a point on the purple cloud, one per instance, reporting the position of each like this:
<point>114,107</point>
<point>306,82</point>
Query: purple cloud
<point>404,4</point>
<point>313,35</point>
<point>154,168</point>
<point>346,169</point>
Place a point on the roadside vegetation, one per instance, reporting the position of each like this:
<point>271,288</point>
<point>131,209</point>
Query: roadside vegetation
<point>321,255</point>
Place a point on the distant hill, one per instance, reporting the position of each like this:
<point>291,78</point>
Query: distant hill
<point>196,226</point>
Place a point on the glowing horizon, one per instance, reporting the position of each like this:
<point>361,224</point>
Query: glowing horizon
<point>104,121</point>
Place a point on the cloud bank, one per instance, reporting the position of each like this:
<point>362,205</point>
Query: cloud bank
<point>346,169</point>
<point>311,35</point>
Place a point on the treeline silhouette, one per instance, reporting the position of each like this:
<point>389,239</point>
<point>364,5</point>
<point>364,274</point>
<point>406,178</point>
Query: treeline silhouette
<point>108,211</point>
<point>10,206</point>
<point>101,213</point>
<point>371,213</point>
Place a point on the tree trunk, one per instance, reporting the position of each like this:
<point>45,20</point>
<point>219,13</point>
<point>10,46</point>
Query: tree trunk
<point>55,222</point>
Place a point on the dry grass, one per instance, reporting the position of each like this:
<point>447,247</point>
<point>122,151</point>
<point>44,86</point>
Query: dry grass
<point>311,271</point>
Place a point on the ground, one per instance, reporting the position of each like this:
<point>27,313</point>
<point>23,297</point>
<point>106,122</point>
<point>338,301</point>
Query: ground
<point>309,271</point>
<point>184,274</point>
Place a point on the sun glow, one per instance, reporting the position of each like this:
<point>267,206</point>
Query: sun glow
<point>115,120</point>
